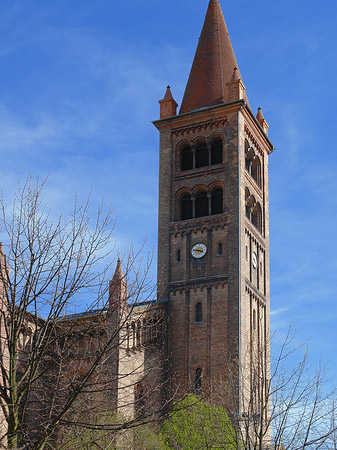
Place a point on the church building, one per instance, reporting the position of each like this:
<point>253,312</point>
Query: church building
<point>213,226</point>
<point>208,329</point>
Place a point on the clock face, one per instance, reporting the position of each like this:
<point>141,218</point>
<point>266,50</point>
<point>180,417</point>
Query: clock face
<point>254,260</point>
<point>199,250</point>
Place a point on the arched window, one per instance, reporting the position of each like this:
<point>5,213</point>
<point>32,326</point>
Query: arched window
<point>186,208</point>
<point>256,170</point>
<point>216,201</point>
<point>201,204</point>
<point>197,383</point>
<point>201,156</point>
<point>186,158</point>
<point>256,217</point>
<point>219,249</point>
<point>198,312</point>
<point>216,151</point>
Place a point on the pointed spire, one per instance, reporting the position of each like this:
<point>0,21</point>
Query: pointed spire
<point>118,275</point>
<point>262,121</point>
<point>118,288</point>
<point>213,64</point>
<point>168,106</point>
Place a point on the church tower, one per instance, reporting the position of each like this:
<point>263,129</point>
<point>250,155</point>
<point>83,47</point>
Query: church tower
<point>213,235</point>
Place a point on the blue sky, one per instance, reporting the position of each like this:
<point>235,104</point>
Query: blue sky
<point>79,85</point>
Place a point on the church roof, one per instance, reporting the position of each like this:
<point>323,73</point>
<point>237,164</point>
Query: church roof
<point>213,64</point>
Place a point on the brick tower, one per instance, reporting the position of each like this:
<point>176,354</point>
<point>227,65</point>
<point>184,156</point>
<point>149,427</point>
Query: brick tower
<point>213,243</point>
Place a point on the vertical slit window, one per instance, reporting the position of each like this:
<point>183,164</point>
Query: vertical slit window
<point>139,399</point>
<point>186,159</point>
<point>197,383</point>
<point>219,249</point>
<point>186,209</point>
<point>201,156</point>
<point>216,151</point>
<point>256,217</point>
<point>138,335</point>
<point>178,256</point>
<point>256,170</point>
<point>133,335</point>
<point>216,199</point>
<point>198,312</point>
<point>201,205</point>
<point>127,337</point>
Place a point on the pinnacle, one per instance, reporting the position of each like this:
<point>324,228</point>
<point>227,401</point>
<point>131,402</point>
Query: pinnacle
<point>213,64</point>
<point>259,115</point>
<point>236,75</point>
<point>118,275</point>
<point>168,94</point>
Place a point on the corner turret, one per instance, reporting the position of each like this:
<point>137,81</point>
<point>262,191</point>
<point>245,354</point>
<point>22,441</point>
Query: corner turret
<point>168,106</point>
<point>118,288</point>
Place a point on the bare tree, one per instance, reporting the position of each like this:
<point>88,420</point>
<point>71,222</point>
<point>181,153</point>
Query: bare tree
<point>56,366</point>
<point>289,406</point>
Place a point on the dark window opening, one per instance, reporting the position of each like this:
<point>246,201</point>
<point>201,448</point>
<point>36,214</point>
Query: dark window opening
<point>219,249</point>
<point>186,159</point>
<point>197,384</point>
<point>201,156</point>
<point>256,217</point>
<point>138,334</point>
<point>127,337</point>
<point>178,255</point>
<point>256,170</point>
<point>139,399</point>
<point>247,164</point>
<point>186,209</point>
<point>198,312</point>
<point>133,326</point>
<point>248,208</point>
<point>216,151</point>
<point>201,205</point>
<point>254,320</point>
<point>216,202</point>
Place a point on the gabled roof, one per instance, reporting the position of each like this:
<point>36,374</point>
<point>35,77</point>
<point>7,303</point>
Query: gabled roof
<point>213,64</point>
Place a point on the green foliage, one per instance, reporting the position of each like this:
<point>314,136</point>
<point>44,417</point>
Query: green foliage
<point>198,425</point>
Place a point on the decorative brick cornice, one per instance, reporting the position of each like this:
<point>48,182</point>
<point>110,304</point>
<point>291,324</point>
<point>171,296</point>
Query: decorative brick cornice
<point>198,283</point>
<point>202,223</point>
<point>202,126</point>
<point>252,291</point>
<point>208,170</point>
<point>249,133</point>
<point>251,230</point>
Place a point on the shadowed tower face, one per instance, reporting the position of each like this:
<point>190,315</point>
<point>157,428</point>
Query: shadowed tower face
<point>213,249</point>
